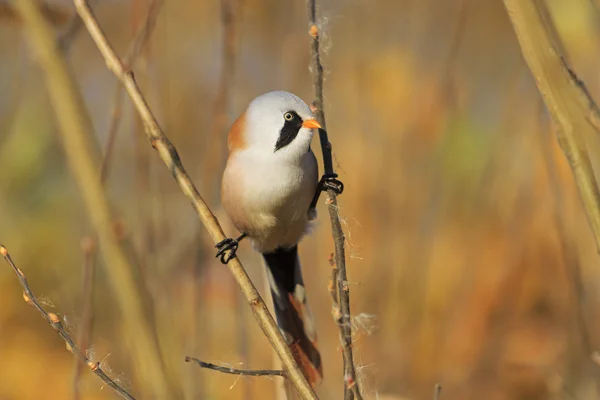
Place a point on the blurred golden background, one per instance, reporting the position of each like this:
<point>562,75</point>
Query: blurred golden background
<point>470,260</point>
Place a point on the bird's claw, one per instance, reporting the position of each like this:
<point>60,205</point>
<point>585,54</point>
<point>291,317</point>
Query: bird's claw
<point>225,245</point>
<point>330,181</point>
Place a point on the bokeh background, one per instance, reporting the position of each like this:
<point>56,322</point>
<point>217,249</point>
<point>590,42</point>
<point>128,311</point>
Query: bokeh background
<point>470,260</point>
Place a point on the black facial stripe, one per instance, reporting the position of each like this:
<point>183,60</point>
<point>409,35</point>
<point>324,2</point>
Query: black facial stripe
<point>289,131</point>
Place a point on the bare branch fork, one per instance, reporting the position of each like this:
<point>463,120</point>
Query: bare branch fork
<point>340,292</point>
<point>169,155</point>
<point>55,323</point>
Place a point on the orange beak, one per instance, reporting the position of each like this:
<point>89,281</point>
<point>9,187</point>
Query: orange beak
<point>311,123</point>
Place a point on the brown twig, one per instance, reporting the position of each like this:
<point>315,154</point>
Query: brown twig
<point>437,391</point>
<point>235,371</point>
<point>135,48</point>
<point>169,155</point>
<point>351,388</point>
<point>75,127</point>
<point>55,323</point>
<point>113,128</point>
<point>146,244</point>
<point>84,336</point>
<point>143,34</point>
<point>67,37</point>
<point>213,159</point>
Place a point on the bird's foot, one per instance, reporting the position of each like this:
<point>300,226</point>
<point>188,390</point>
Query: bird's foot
<point>230,245</point>
<point>328,181</point>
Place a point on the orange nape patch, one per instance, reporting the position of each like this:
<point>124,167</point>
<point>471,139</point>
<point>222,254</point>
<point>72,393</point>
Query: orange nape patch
<point>236,139</point>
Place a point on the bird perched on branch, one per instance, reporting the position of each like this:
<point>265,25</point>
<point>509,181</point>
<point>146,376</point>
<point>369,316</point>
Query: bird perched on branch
<point>268,184</point>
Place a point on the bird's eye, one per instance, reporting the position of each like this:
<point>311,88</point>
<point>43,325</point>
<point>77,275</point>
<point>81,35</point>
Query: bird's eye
<point>288,116</point>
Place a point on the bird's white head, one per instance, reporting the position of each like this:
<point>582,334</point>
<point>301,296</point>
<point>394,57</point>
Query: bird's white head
<point>277,123</point>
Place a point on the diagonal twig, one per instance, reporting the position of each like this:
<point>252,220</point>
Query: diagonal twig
<point>169,155</point>
<point>235,371</point>
<point>55,323</point>
<point>342,296</point>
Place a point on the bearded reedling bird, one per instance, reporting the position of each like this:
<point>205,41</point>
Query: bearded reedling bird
<point>267,188</point>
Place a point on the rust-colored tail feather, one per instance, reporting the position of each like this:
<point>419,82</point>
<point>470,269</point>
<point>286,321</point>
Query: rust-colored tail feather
<point>292,312</point>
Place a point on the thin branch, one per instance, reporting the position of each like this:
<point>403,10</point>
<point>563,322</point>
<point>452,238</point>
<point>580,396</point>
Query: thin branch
<point>213,158</point>
<point>16,92</point>
<point>55,323</point>
<point>351,388</point>
<point>143,34</point>
<point>571,107</point>
<point>437,391</point>
<point>113,128</point>
<point>84,336</point>
<point>135,49</point>
<point>169,155</point>
<point>67,37</point>
<point>235,371</point>
<point>75,127</point>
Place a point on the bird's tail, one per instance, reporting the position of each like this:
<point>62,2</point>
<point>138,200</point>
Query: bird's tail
<point>291,310</point>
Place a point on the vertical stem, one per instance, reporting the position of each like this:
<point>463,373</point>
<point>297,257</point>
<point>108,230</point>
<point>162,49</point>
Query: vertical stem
<point>351,388</point>
<point>84,335</point>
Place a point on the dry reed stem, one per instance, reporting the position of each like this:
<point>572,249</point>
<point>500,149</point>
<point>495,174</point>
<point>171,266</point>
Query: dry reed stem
<point>55,323</point>
<point>342,299</point>
<point>76,127</point>
<point>84,336</point>
<point>213,158</point>
<point>89,244</point>
<point>236,371</point>
<point>570,258</point>
<point>169,155</point>
<point>56,14</point>
<point>572,109</point>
